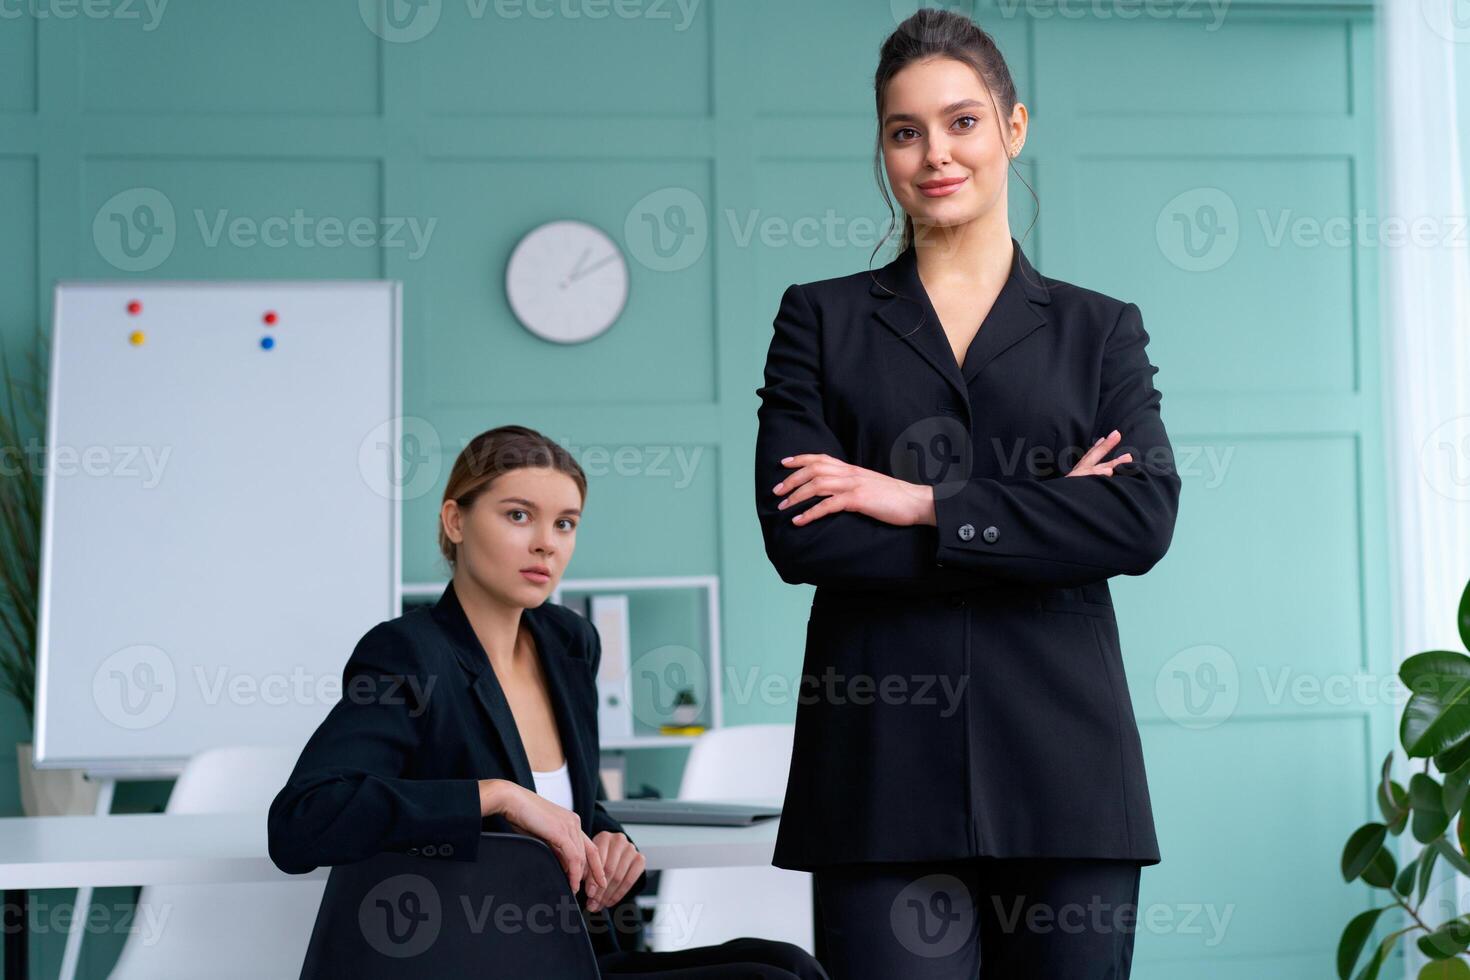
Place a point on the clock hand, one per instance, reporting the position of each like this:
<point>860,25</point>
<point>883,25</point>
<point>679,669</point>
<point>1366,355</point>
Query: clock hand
<point>591,269</point>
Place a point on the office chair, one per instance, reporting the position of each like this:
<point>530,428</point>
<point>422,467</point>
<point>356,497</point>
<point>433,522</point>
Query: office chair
<point>510,913</point>
<point>243,930</point>
<point>735,762</point>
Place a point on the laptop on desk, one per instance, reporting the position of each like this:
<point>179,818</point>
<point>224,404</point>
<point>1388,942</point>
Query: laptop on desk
<point>697,812</point>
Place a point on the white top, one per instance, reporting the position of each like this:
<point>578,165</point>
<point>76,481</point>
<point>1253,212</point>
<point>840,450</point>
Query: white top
<point>556,786</point>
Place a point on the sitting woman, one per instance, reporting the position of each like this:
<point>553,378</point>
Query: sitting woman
<point>488,719</point>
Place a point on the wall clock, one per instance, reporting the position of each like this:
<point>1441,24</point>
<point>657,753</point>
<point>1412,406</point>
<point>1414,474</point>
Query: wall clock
<point>566,281</point>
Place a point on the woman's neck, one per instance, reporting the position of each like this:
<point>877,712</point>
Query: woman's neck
<point>972,253</point>
<point>495,624</point>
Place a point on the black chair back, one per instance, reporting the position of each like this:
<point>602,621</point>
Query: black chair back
<point>509,913</point>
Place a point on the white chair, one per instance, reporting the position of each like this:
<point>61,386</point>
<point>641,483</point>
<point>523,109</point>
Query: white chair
<point>705,906</point>
<point>238,930</point>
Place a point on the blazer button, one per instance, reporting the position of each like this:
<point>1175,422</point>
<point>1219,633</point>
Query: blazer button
<point>446,850</point>
<point>430,850</point>
<point>990,534</point>
<point>967,531</point>
<point>413,852</point>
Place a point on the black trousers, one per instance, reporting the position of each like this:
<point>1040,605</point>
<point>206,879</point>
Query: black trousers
<point>993,918</point>
<point>745,958</point>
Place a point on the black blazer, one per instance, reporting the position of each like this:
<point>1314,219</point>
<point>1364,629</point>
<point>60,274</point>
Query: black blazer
<point>396,764</point>
<point>963,689</point>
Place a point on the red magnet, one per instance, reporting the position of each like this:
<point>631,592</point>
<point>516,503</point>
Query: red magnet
<point>135,307</point>
<point>270,317</point>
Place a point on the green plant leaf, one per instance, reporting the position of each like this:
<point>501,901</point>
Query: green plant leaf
<point>1371,968</point>
<point>1393,799</point>
<point>1447,851</point>
<point>1360,849</point>
<point>1427,858</point>
<point>1464,616</point>
<point>1354,938</point>
<point>1461,829</point>
<point>1455,969</point>
<point>1427,798</point>
<point>1404,883</point>
<point>1381,871</point>
<point>1456,783</point>
<point>1453,757</point>
<point>1438,713</point>
<point>1448,940</point>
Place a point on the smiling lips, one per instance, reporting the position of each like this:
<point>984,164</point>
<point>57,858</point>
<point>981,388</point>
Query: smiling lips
<point>941,186</point>
<point>537,573</point>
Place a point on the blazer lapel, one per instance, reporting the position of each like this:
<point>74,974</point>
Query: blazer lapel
<point>908,312</point>
<point>1012,317</point>
<point>451,615</point>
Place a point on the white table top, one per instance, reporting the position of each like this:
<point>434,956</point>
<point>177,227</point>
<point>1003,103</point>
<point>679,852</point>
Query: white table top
<point>158,848</point>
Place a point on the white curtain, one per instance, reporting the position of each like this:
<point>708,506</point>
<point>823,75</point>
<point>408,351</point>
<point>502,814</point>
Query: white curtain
<point>1425,325</point>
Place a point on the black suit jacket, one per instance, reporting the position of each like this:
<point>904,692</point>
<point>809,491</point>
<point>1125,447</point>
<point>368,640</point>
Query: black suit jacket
<point>963,689</point>
<point>396,763</point>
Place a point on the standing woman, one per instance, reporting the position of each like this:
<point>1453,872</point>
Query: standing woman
<point>958,453</point>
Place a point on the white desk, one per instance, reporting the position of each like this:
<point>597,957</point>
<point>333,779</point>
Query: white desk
<point>159,848</point>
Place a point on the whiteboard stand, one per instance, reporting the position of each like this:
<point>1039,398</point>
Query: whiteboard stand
<point>82,910</point>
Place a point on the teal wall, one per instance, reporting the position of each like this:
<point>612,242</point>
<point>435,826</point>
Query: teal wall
<point>760,111</point>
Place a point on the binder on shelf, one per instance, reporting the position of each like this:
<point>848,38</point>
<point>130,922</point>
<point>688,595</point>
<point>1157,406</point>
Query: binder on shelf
<point>609,614</point>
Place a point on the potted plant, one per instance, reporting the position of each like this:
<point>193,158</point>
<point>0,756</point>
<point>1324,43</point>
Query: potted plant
<point>43,792</point>
<point>1435,726</point>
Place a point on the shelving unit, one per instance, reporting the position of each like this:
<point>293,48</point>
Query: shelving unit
<point>711,710</point>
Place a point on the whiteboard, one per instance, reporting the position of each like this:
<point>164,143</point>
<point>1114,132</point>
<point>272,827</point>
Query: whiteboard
<point>220,523</point>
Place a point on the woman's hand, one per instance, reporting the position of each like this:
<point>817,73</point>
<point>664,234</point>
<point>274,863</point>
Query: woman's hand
<point>1092,464</point>
<point>887,498</point>
<point>848,487</point>
<point>624,863</point>
<point>561,829</point>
